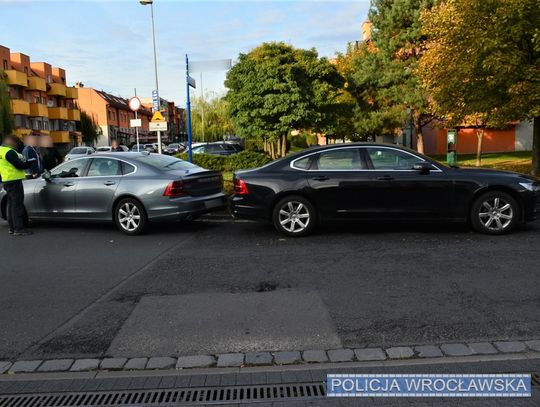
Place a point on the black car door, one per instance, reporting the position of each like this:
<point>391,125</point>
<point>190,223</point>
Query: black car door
<point>338,180</point>
<point>397,191</point>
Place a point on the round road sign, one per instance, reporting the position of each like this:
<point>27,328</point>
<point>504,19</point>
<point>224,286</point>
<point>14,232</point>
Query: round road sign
<point>134,103</point>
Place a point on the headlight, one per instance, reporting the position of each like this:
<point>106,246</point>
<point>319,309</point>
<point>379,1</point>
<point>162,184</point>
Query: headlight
<point>530,186</point>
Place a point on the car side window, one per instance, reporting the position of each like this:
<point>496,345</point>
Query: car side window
<point>199,150</point>
<point>391,159</point>
<point>70,169</point>
<point>345,159</point>
<point>303,163</point>
<point>104,167</point>
<point>127,168</point>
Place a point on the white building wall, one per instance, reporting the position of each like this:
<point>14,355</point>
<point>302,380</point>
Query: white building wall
<point>524,136</point>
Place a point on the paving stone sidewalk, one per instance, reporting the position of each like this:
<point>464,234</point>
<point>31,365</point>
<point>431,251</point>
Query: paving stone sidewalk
<point>282,358</point>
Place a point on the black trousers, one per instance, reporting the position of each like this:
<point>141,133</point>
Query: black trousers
<point>15,205</point>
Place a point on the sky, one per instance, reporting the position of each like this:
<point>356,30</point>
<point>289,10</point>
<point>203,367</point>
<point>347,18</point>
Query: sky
<point>108,44</point>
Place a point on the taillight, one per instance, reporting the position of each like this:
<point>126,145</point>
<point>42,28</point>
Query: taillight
<point>240,187</point>
<point>175,188</point>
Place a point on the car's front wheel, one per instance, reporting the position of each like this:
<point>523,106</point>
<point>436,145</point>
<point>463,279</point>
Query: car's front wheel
<point>294,216</point>
<point>495,213</point>
<point>130,216</point>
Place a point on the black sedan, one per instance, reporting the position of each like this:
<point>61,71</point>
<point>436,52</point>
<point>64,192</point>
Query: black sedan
<point>366,181</point>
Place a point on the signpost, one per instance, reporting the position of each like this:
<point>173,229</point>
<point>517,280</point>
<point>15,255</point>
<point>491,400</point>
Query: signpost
<point>158,124</point>
<point>155,100</point>
<point>135,104</point>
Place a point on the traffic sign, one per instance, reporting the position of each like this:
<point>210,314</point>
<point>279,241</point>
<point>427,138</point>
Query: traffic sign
<point>135,123</point>
<point>134,103</point>
<point>158,126</point>
<point>158,117</point>
<point>155,100</point>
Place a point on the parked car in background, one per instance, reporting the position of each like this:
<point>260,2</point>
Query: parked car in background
<point>238,147</point>
<point>105,149</point>
<point>138,148</point>
<point>215,148</point>
<point>153,147</point>
<point>130,189</point>
<point>77,152</point>
<point>174,148</point>
<point>367,181</point>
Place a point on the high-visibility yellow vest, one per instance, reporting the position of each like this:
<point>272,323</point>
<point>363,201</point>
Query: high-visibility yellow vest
<point>7,171</point>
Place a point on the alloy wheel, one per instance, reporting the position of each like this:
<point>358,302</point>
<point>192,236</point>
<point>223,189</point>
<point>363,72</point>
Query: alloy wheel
<point>129,216</point>
<point>496,214</point>
<point>294,216</point>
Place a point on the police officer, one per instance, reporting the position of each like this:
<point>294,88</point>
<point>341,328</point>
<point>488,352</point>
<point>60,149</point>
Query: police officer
<point>12,173</point>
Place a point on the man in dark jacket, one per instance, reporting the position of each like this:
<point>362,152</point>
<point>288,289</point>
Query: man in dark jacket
<point>49,154</point>
<point>12,167</point>
<point>31,154</point>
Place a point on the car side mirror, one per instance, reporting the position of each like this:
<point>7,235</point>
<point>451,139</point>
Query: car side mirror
<point>423,167</point>
<point>88,152</point>
<point>46,176</point>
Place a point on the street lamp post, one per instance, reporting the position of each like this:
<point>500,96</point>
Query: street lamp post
<point>151,3</point>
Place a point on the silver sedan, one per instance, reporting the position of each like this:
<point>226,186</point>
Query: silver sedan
<point>130,189</point>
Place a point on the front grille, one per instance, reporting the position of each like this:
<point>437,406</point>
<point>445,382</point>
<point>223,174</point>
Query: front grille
<point>174,397</point>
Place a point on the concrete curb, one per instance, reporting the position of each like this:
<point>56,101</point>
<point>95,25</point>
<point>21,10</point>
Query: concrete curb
<point>275,359</point>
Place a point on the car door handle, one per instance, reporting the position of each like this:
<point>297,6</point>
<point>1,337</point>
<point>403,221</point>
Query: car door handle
<point>321,178</point>
<point>109,183</point>
<point>68,184</point>
<point>385,178</point>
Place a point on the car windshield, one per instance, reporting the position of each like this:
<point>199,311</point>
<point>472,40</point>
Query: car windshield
<point>166,163</point>
<point>78,150</point>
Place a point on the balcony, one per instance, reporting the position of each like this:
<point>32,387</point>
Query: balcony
<point>74,114</point>
<point>57,89</point>
<point>58,113</point>
<point>16,78</point>
<point>19,106</point>
<point>60,136</point>
<point>39,110</point>
<point>37,83</point>
<point>22,131</point>
<point>72,93</point>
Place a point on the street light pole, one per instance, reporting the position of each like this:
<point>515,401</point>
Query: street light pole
<point>151,3</point>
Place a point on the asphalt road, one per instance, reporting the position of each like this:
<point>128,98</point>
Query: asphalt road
<point>69,289</point>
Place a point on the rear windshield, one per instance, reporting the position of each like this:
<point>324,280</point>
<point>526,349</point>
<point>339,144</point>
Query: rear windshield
<point>166,163</point>
<point>78,151</point>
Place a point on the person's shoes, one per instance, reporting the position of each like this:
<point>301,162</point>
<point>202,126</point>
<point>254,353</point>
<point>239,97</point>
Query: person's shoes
<point>23,232</point>
<point>10,231</point>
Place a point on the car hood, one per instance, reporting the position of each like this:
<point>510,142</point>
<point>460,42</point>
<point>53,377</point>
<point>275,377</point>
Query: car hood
<point>491,171</point>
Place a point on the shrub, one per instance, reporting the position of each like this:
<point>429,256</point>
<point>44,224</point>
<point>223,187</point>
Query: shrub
<point>208,161</point>
<point>240,161</point>
<point>247,159</point>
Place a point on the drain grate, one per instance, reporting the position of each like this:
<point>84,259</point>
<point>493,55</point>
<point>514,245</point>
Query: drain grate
<point>535,379</point>
<point>194,396</point>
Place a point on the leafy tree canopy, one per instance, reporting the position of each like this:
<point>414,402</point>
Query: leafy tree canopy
<point>277,88</point>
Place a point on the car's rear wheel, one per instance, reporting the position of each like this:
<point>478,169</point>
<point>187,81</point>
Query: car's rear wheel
<point>294,216</point>
<point>130,216</point>
<point>495,213</point>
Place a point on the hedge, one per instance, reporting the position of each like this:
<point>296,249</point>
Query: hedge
<point>228,163</point>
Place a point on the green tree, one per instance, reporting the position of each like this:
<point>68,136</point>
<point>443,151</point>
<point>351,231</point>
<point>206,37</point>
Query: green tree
<point>277,88</point>
<point>384,78</point>
<point>482,64</point>
<point>210,119</point>
<point>89,129</point>
<point>6,116</point>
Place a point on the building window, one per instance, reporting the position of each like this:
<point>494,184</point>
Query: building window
<point>26,70</point>
<point>5,64</point>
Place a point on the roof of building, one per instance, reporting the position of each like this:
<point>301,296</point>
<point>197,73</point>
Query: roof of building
<point>119,102</point>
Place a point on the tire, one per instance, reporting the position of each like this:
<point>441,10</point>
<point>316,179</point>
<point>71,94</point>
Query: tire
<point>130,217</point>
<point>294,216</point>
<point>495,213</point>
